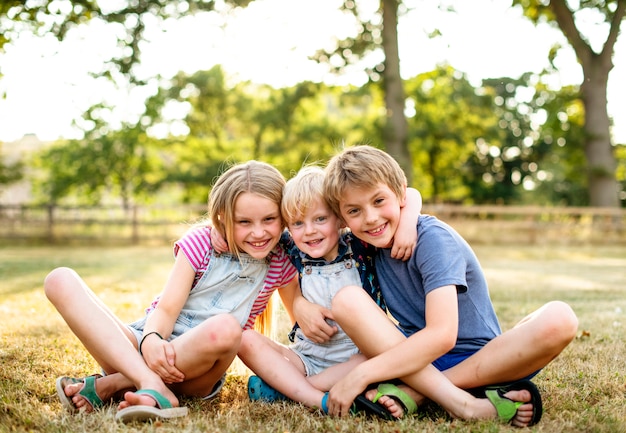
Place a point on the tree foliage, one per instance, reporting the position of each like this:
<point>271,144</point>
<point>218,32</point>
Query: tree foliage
<point>58,17</point>
<point>596,65</point>
<point>509,140</point>
<point>10,172</point>
<point>489,144</point>
<point>121,165</point>
<point>447,118</point>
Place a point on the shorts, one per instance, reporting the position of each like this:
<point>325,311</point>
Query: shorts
<point>318,357</point>
<point>449,360</point>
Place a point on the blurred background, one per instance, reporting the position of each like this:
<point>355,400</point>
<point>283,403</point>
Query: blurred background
<point>127,110</point>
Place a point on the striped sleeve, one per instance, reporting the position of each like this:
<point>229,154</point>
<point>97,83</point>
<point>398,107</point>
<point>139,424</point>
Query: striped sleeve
<point>196,245</point>
<point>280,273</point>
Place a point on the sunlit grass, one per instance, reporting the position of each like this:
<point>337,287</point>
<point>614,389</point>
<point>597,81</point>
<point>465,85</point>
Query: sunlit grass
<point>583,389</point>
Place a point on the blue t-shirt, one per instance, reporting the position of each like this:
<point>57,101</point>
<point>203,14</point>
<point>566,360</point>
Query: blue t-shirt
<point>442,257</point>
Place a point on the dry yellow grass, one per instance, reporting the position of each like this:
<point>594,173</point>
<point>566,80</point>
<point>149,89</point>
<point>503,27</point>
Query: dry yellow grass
<point>583,390</point>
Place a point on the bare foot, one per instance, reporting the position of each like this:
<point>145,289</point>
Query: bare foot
<point>395,408</point>
<point>72,390</point>
<point>525,412</point>
<point>133,399</point>
<point>523,415</point>
<point>391,404</point>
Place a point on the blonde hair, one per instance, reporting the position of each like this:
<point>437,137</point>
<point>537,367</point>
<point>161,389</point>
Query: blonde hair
<point>254,177</point>
<point>361,166</point>
<point>301,191</point>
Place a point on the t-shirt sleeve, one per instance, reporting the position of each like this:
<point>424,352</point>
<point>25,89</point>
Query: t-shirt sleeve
<point>196,246</point>
<point>440,260</point>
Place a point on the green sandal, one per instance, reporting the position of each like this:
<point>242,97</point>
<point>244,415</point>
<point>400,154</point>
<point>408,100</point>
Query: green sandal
<point>88,392</point>
<point>162,410</point>
<point>507,408</point>
<point>391,390</point>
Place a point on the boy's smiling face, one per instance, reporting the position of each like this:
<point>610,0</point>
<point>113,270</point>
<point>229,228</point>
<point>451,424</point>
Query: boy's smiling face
<point>372,214</point>
<point>316,233</point>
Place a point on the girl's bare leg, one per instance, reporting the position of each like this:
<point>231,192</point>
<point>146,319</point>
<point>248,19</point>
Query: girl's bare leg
<point>102,333</point>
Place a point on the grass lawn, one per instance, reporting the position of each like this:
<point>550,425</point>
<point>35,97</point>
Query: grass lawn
<point>583,390</point>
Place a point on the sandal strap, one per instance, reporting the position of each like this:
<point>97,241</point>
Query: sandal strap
<point>396,393</point>
<point>162,402</point>
<point>505,407</point>
<point>88,392</point>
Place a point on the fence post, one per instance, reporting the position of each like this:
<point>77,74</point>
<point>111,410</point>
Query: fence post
<point>135,227</point>
<point>50,230</point>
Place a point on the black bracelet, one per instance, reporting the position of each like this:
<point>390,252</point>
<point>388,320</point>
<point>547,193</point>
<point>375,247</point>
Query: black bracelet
<point>144,337</point>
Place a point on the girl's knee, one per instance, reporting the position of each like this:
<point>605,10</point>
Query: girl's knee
<point>56,281</point>
<point>224,333</point>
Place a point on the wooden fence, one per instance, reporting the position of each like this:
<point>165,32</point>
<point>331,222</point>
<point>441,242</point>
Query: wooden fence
<point>160,224</point>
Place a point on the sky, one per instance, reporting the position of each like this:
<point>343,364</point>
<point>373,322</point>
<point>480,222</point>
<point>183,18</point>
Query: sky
<point>47,84</point>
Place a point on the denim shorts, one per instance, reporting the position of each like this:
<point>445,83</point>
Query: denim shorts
<point>318,357</point>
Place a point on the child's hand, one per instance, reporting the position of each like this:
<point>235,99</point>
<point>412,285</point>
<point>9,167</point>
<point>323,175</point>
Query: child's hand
<point>160,356</point>
<point>405,239</point>
<point>218,242</point>
<point>403,250</point>
<point>312,320</point>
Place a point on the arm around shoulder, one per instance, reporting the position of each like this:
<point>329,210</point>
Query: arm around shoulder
<point>405,239</point>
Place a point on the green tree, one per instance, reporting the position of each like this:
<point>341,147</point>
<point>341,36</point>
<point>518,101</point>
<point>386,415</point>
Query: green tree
<point>447,118</point>
<point>10,172</point>
<point>123,165</point>
<point>559,176</point>
<point>596,65</point>
<point>534,154</point>
<point>381,32</point>
<point>57,17</point>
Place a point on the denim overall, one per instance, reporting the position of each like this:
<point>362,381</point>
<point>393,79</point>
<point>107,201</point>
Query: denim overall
<point>319,284</point>
<point>229,285</point>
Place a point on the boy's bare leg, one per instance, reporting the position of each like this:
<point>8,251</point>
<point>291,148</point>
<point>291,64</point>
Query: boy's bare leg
<point>374,334</point>
<point>327,378</point>
<point>279,367</point>
<point>529,346</point>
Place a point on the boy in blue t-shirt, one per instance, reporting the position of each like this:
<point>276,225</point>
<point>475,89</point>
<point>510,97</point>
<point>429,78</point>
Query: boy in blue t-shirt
<point>447,339</point>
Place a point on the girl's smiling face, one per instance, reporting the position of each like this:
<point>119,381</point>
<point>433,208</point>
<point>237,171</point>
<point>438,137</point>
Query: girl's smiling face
<point>257,225</point>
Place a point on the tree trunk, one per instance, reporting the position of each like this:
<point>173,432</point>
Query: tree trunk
<point>601,164</point>
<point>395,133</point>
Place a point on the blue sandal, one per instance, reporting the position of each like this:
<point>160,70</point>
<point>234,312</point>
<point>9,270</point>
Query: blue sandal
<point>259,390</point>
<point>88,392</point>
